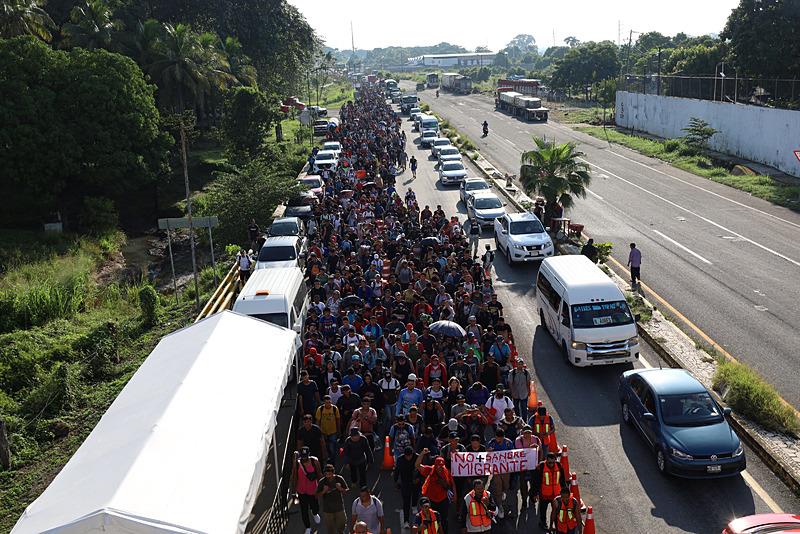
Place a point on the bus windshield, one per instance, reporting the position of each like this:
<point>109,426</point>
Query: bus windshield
<point>601,314</point>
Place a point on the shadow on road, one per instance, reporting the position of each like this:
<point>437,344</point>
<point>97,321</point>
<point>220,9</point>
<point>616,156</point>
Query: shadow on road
<point>671,496</point>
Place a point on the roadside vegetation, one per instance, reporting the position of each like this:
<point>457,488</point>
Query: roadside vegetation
<point>691,159</point>
<point>751,396</point>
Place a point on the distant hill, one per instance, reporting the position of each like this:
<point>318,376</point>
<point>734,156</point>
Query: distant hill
<point>396,55</point>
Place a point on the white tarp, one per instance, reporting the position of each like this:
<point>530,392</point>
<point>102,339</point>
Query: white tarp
<point>184,445</point>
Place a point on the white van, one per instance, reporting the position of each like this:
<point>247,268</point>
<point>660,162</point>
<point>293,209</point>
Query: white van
<point>278,296</point>
<point>429,122</point>
<point>585,312</point>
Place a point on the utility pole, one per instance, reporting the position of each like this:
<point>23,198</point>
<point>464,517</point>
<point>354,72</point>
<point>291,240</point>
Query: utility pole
<point>658,84</point>
<point>184,156</point>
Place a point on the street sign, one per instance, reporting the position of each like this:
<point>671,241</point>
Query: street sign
<point>172,223</point>
<point>797,154</point>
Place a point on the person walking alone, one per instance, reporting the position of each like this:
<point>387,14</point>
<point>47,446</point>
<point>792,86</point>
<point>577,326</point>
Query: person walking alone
<point>635,263</point>
<point>590,251</point>
<point>474,236</point>
<point>306,472</point>
<point>413,164</point>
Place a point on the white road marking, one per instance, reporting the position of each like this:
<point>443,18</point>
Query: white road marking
<point>761,308</point>
<point>706,190</point>
<point>595,195</point>
<point>685,249</point>
<point>687,210</point>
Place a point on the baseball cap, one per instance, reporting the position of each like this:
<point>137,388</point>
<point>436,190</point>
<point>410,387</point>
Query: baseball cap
<point>412,376</point>
<point>452,424</point>
<point>305,452</point>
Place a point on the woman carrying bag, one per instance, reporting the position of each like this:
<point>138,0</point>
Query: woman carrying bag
<point>306,473</point>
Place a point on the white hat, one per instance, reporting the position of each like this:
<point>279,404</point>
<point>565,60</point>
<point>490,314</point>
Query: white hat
<point>413,377</point>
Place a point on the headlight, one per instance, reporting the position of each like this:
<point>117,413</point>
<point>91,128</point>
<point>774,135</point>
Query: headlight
<point>519,247</point>
<point>739,450</point>
<point>577,345</point>
<point>633,341</point>
<point>680,454</point>
<point>547,245</point>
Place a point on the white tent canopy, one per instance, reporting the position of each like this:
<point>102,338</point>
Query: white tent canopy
<point>184,445</point>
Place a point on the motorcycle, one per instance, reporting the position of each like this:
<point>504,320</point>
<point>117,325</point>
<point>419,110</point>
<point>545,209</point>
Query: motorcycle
<point>437,93</point>
<point>485,129</point>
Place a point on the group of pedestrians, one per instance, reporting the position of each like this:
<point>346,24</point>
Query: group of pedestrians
<point>383,273</point>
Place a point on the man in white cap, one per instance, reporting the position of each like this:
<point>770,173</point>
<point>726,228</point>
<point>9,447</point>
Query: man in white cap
<point>409,396</point>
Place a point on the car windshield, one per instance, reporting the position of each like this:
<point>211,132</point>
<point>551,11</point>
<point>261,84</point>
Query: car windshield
<point>277,254</point>
<point>689,409</point>
<point>473,186</point>
<point>601,314</point>
<point>453,166</point>
<point>487,203</point>
<point>332,146</point>
<point>448,151</point>
<point>526,227</point>
<point>429,134</point>
<point>311,182</point>
<point>280,319</point>
<point>285,228</point>
<point>442,142</point>
<point>324,156</point>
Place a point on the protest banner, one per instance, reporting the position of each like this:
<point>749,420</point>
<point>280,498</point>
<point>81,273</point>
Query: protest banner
<point>476,464</point>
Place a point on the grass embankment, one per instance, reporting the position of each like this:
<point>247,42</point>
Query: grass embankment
<point>68,345</point>
<point>337,94</point>
<point>747,393</point>
<point>684,157</point>
<point>579,115</point>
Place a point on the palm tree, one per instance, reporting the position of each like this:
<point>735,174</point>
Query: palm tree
<point>91,25</point>
<point>240,65</point>
<point>141,43</point>
<point>25,17</point>
<point>555,173</point>
<point>179,72</point>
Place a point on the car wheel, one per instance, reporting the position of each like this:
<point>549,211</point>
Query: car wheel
<point>626,413</point>
<point>542,321</point>
<point>509,259</point>
<point>661,462</point>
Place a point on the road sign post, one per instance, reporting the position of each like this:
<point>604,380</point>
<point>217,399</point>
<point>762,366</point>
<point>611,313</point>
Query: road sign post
<point>170,223</point>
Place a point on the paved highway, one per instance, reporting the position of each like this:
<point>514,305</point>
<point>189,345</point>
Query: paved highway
<point>725,260</point>
<point>616,471</point>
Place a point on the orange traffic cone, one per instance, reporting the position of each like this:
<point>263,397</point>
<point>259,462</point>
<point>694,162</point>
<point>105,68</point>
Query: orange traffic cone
<point>574,489</point>
<point>388,459</point>
<point>589,527</point>
<point>564,459</point>
<point>533,397</point>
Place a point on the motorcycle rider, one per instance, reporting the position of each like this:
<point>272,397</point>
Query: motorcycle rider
<point>485,128</point>
<point>437,93</point>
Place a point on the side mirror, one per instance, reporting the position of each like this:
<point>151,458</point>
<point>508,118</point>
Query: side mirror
<point>638,317</point>
<point>504,232</point>
<point>726,411</point>
<point>647,416</point>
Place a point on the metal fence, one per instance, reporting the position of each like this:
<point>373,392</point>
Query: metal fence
<point>775,92</point>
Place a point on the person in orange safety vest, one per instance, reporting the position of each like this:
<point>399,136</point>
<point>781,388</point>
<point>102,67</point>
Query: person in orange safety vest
<point>427,520</point>
<point>542,424</point>
<point>548,481</point>
<point>566,514</point>
<point>479,510</point>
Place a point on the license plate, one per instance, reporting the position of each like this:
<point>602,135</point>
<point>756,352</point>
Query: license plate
<point>713,468</point>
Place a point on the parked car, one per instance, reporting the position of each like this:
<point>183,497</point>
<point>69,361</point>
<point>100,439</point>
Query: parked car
<point>319,110</point>
<point>413,112</point>
<point>284,251</point>
<point>448,153</point>
<point>471,186</point>
<point>452,172</point>
<point>336,146</point>
<point>320,126</point>
<point>313,183</point>
<point>426,138</point>
<point>326,159</point>
<point>286,226</point>
<point>681,422</point>
<point>764,524</point>
<point>396,96</point>
<point>522,237</point>
<point>438,143</point>
<point>486,207</point>
<point>300,206</point>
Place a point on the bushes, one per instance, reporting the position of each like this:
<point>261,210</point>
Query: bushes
<point>58,391</point>
<point>99,349</point>
<point>751,396</point>
<point>98,216</point>
<point>149,305</point>
<point>42,300</point>
<point>603,251</point>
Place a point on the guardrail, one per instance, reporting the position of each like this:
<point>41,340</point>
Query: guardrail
<point>223,296</point>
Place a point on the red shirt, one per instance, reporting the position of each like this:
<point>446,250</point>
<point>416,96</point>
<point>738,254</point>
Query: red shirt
<point>435,487</point>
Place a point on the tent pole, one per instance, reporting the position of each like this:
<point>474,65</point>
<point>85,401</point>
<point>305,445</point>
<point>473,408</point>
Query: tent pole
<point>275,449</point>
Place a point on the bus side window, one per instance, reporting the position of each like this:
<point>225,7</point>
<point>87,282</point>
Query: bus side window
<point>565,313</point>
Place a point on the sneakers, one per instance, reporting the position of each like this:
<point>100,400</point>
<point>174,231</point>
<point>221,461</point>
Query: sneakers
<point>317,519</point>
<point>308,531</point>
<point>500,512</point>
<point>406,525</point>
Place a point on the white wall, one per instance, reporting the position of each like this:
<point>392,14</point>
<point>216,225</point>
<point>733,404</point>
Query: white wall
<point>760,134</point>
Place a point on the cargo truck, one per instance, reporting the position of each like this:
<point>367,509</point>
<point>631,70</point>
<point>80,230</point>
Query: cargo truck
<point>526,107</point>
<point>432,80</point>
<point>456,83</point>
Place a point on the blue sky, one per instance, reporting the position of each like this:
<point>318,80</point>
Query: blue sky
<point>471,23</point>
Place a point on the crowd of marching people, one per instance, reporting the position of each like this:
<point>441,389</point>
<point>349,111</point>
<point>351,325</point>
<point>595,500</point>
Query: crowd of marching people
<point>406,340</point>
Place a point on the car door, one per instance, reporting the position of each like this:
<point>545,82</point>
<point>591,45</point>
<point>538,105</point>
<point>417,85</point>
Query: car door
<point>649,427</point>
<point>502,233</point>
<point>462,191</point>
<point>564,323</point>
<point>633,398</point>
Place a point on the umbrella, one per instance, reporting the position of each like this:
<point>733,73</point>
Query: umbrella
<point>352,301</point>
<point>447,328</point>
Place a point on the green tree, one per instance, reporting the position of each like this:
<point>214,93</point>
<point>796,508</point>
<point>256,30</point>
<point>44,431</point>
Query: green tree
<point>75,124</point>
<point>241,66</point>
<point>524,42</point>
<point>571,41</point>
<point>25,17</point>
<point>698,132</point>
<point>249,115</point>
<point>763,37</point>
<point>141,42</point>
<point>255,188</point>
<point>586,65</point>
<point>555,173</point>
<point>179,72</point>
<point>91,25</point>
<point>501,60</point>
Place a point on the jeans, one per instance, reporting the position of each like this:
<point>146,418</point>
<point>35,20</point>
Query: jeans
<point>521,407</point>
<point>474,241</point>
<point>358,473</point>
<point>331,445</point>
<point>443,508</point>
<point>308,502</point>
<point>388,416</point>
<point>543,519</point>
<point>410,494</point>
<point>335,522</point>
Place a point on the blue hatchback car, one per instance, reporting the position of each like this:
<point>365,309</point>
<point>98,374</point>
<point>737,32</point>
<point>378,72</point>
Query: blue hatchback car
<point>681,422</point>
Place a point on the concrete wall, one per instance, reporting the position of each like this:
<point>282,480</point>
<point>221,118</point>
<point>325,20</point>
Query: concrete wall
<point>760,134</point>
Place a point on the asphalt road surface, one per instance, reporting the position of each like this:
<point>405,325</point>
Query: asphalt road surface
<point>616,471</point>
<point>725,260</point>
